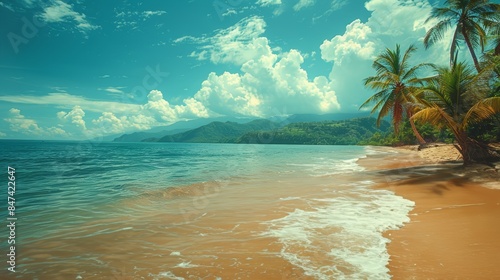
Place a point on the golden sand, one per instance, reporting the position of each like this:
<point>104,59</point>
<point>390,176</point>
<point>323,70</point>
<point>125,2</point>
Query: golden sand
<point>454,231</point>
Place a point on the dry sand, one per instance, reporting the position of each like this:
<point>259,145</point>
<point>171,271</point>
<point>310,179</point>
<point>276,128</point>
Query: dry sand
<point>454,231</point>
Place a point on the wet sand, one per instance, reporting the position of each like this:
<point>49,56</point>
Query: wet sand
<point>213,230</point>
<point>454,231</point>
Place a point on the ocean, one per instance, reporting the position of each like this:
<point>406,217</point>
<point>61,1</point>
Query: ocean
<point>103,210</point>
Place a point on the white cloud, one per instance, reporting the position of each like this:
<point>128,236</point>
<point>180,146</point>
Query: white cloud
<point>391,22</point>
<point>230,12</point>
<point>357,40</point>
<point>2,134</point>
<point>268,87</point>
<point>269,84</point>
<point>130,18</point>
<point>265,3</point>
<point>236,44</point>
<point>104,76</point>
<point>300,4</point>
<point>68,101</point>
<point>157,111</point>
<point>162,110</point>
<point>59,11</point>
<point>338,4</point>
<point>76,116</point>
<point>114,117</point>
<point>303,4</point>
<point>114,89</point>
<point>108,123</point>
<point>148,14</point>
<point>8,7</point>
<point>29,3</point>
<point>19,123</point>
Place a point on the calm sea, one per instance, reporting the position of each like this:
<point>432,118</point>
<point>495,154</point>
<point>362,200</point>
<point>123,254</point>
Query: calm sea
<point>94,210</point>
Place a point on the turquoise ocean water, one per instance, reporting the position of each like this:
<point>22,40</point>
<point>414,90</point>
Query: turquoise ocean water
<point>95,210</point>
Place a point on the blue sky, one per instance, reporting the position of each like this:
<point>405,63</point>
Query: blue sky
<point>82,69</point>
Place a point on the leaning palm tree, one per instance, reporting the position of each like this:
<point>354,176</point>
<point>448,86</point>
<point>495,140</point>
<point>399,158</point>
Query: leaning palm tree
<point>396,84</point>
<point>457,99</point>
<point>471,20</point>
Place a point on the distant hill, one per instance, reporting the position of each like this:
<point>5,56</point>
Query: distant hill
<point>346,132</point>
<point>220,132</point>
<point>225,129</point>
<point>178,127</point>
<point>326,117</point>
<point>141,136</point>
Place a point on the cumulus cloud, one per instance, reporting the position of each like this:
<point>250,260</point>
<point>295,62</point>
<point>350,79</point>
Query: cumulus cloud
<point>268,83</point>
<point>268,86</point>
<point>75,116</point>
<point>391,22</point>
<point>113,116</point>
<point>2,134</point>
<point>357,40</point>
<point>59,11</point>
<point>19,123</point>
<point>236,44</point>
<point>161,109</point>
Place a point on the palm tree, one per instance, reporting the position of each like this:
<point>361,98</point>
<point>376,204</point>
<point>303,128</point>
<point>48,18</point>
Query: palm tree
<point>457,99</point>
<point>397,85</point>
<point>470,18</point>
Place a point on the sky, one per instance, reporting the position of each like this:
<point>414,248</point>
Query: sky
<point>83,69</point>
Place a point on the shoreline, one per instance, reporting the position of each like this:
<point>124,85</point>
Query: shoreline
<point>453,231</point>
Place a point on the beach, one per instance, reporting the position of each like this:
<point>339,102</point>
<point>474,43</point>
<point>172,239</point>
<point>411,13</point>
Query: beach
<point>454,230</point>
<point>220,211</point>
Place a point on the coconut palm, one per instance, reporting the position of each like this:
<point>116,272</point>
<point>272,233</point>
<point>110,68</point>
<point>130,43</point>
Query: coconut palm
<point>396,84</point>
<point>471,20</point>
<point>458,99</point>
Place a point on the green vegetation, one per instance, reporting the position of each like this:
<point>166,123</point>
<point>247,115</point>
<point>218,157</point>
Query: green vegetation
<point>347,132</point>
<point>397,84</point>
<point>464,103</point>
<point>405,136</point>
<point>219,132</point>
<point>471,20</point>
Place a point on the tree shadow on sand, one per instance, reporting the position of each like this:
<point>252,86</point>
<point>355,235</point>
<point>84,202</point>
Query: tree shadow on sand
<point>439,178</point>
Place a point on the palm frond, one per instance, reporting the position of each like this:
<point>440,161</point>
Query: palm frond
<point>429,115</point>
<point>376,98</point>
<point>437,117</point>
<point>436,32</point>
<point>482,110</point>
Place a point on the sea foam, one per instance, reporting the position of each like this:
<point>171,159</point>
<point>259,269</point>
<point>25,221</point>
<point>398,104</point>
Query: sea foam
<point>341,236</point>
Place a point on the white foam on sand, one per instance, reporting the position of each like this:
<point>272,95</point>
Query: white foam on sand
<point>341,238</point>
<point>165,275</point>
<point>328,167</point>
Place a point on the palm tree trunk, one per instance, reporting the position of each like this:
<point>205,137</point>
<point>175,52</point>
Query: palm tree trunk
<point>472,150</point>
<point>453,49</point>
<point>471,50</point>
<point>416,133</point>
<point>420,139</point>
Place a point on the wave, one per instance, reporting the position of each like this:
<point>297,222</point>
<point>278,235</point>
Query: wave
<point>341,236</point>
